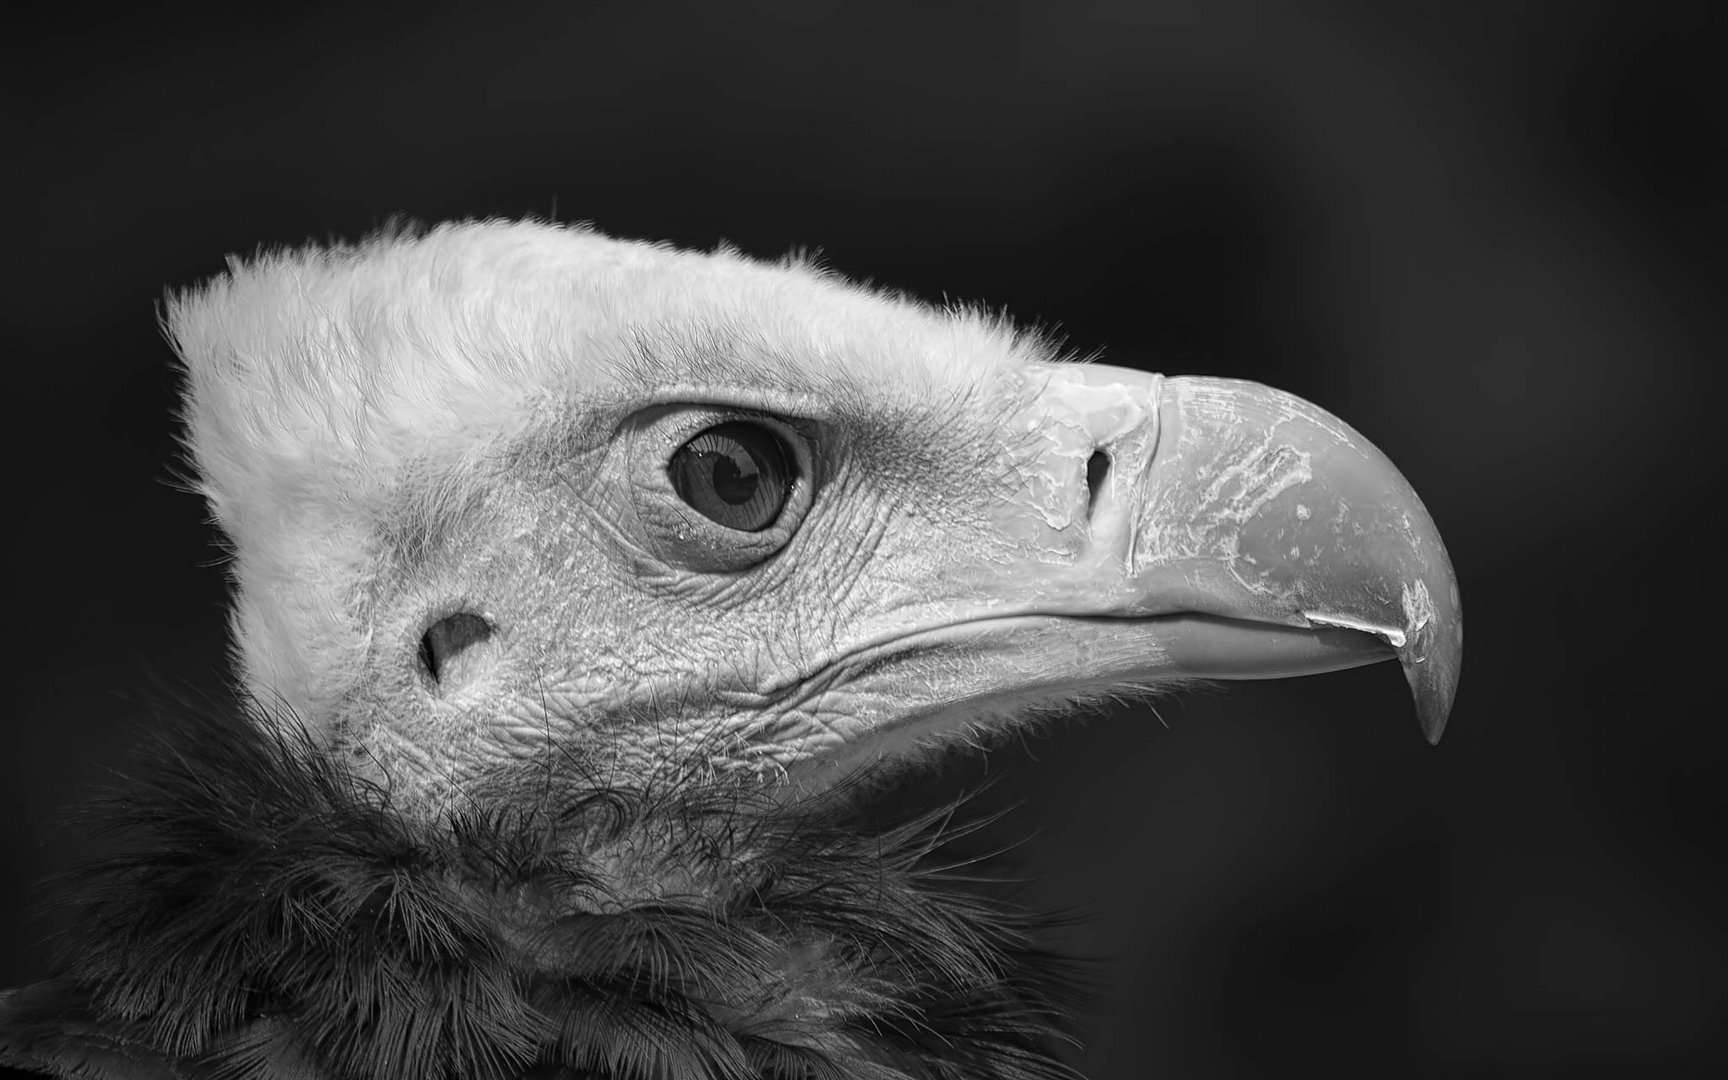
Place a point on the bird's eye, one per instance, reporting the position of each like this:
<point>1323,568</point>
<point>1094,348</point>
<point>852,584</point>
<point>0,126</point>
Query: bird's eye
<point>736,474</point>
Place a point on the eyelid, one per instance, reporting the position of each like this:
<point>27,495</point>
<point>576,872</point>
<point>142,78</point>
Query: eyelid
<point>692,419</point>
<point>680,535</point>
<point>778,404</point>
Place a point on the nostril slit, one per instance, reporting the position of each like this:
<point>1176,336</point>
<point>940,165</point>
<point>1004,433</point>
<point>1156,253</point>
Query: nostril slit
<point>1097,471</point>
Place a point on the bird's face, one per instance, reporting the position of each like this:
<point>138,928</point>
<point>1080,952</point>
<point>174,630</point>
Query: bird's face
<point>574,577</point>
<point>758,524</point>
<point>737,578</point>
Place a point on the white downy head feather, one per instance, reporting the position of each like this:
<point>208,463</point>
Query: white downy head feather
<point>322,380</point>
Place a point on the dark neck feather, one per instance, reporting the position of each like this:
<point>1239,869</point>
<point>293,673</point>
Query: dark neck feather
<point>265,914</point>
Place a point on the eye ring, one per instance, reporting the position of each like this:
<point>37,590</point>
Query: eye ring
<point>739,475</point>
<point>693,511</point>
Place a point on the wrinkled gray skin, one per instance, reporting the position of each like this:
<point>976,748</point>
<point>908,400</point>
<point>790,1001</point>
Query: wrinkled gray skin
<point>942,568</point>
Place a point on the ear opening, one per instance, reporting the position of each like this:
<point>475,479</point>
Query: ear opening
<point>455,650</point>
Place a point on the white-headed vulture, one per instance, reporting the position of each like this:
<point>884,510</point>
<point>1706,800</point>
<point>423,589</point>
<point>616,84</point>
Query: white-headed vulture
<point>582,586</point>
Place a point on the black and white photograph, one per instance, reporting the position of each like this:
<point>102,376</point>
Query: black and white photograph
<point>811,541</point>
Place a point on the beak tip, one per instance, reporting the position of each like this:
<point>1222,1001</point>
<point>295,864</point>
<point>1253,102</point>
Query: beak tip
<point>1433,718</point>
<point>1433,679</point>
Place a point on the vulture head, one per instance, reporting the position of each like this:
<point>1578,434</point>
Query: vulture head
<point>581,586</point>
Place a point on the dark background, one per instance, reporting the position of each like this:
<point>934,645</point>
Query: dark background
<point>1490,241</point>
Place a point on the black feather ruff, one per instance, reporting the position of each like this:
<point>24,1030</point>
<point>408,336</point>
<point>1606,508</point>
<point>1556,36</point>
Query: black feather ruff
<point>265,914</point>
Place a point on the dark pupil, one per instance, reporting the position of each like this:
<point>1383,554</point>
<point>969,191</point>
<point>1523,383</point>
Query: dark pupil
<point>737,474</point>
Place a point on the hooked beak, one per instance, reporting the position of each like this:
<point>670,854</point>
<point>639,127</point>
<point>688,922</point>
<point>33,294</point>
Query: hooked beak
<point>1154,529</point>
<point>1256,534</point>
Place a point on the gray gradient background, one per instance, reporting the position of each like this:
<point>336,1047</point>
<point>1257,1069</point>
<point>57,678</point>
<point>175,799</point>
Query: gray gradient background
<point>1491,242</point>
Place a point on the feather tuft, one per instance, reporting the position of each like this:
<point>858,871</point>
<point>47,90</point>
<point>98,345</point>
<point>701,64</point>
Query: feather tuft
<point>263,913</point>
